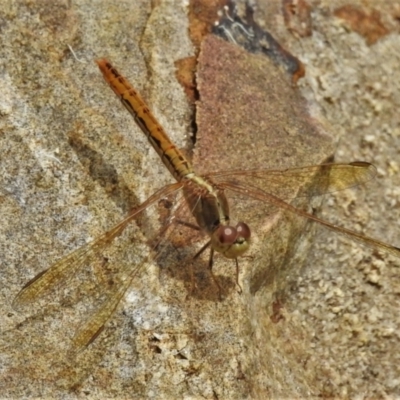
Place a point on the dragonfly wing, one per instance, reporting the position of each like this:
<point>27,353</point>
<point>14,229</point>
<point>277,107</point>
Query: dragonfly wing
<point>69,265</point>
<point>308,181</point>
<point>90,329</point>
<point>260,195</point>
<point>62,269</point>
<point>93,326</point>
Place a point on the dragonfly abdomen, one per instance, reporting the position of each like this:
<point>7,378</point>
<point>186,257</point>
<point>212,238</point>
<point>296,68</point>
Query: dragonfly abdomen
<point>171,156</point>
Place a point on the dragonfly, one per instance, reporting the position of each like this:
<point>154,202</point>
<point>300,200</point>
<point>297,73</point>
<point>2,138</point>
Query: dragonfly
<point>205,199</point>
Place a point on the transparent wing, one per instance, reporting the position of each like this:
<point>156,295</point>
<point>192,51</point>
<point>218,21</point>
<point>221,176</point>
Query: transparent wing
<point>257,194</point>
<point>308,181</point>
<point>69,265</point>
<point>92,327</point>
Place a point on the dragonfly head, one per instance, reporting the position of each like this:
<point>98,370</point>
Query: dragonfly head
<point>231,241</point>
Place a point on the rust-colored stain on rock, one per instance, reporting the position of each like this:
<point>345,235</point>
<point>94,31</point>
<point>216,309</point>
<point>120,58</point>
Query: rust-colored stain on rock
<point>366,24</point>
<point>202,16</point>
<point>297,17</point>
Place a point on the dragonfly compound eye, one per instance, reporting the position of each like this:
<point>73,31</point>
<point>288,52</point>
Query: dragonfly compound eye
<point>243,230</point>
<point>226,234</point>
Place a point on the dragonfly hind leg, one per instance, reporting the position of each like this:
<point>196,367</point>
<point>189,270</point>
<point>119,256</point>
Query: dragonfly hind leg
<point>210,263</point>
<point>237,276</point>
<point>214,278</point>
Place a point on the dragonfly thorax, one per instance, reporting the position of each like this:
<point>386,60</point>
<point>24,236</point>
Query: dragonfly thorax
<point>209,206</point>
<point>207,203</point>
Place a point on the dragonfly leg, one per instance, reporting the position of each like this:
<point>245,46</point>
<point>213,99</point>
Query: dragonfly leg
<point>193,285</point>
<point>187,224</point>
<point>210,265</point>
<point>237,276</point>
<point>214,278</point>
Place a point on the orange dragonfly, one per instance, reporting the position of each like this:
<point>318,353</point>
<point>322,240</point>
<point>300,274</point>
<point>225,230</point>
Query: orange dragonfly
<point>204,197</point>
